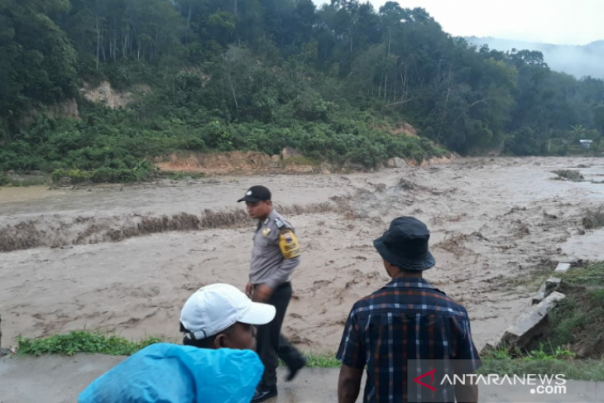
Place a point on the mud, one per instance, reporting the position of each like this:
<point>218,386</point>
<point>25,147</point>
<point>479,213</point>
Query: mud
<point>54,232</point>
<point>125,258</point>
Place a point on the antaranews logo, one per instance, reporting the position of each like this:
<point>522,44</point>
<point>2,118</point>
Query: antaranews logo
<point>541,384</point>
<point>436,381</point>
<point>429,373</point>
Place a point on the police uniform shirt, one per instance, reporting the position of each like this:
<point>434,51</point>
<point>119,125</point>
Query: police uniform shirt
<point>275,254</point>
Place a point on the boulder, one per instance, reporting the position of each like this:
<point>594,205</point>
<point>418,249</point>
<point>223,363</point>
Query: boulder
<point>396,162</point>
<point>289,152</point>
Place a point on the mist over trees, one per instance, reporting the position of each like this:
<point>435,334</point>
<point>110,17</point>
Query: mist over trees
<point>262,74</point>
<point>579,61</point>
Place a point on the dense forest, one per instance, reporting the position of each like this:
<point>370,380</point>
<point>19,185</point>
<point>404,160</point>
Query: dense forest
<point>262,74</point>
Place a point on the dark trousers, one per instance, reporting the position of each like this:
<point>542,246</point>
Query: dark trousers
<point>271,343</point>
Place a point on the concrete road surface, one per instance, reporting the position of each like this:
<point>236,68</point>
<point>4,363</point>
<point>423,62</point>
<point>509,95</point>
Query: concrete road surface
<point>56,379</point>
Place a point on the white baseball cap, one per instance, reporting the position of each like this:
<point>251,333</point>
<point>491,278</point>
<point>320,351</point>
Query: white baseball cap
<point>214,308</point>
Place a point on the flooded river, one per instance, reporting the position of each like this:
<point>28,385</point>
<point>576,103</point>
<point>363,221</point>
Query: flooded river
<point>124,258</point>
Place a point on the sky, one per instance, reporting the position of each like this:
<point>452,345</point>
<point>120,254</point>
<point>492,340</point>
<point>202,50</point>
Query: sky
<point>570,22</point>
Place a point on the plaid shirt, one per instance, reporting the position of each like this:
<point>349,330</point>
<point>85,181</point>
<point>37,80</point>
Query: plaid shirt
<point>408,319</point>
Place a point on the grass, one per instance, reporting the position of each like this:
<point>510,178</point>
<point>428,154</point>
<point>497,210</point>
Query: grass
<point>532,278</point>
<point>497,362</point>
<point>324,360</point>
<point>592,276</point>
<point>539,361</point>
<point>314,162</point>
<point>577,322</point>
<point>6,180</point>
<point>177,175</point>
<point>582,370</point>
<point>82,342</point>
<point>568,174</point>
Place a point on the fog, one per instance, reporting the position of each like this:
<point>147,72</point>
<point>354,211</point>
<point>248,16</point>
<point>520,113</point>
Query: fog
<point>579,61</point>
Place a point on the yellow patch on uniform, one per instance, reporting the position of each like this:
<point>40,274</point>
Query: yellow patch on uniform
<point>288,243</point>
<point>266,232</point>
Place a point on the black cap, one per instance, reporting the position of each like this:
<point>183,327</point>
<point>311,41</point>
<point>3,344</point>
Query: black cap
<point>256,194</point>
<point>405,245</point>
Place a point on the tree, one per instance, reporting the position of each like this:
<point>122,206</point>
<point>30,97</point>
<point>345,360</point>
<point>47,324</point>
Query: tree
<point>38,62</point>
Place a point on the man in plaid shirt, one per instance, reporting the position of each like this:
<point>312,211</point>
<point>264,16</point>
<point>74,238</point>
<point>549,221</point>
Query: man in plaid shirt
<point>408,319</point>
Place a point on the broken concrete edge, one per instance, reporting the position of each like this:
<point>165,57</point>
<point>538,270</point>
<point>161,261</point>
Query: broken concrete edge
<point>527,326</point>
<point>3,351</point>
<point>537,298</point>
<point>562,268</point>
<point>550,285</point>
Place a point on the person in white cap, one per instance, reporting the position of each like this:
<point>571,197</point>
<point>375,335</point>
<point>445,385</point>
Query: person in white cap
<point>221,316</point>
<point>215,365</point>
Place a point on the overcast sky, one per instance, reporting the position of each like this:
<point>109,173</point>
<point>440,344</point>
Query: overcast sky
<point>573,22</point>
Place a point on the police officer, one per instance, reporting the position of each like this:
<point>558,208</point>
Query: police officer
<point>275,255</point>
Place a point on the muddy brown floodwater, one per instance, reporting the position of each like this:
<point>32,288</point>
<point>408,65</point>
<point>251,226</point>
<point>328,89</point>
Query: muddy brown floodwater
<point>125,258</point>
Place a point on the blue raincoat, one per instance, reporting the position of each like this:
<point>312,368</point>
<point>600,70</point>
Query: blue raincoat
<point>170,373</point>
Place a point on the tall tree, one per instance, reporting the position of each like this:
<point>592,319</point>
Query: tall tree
<point>38,62</point>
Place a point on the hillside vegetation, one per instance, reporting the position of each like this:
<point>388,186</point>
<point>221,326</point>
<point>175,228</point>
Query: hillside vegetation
<point>334,82</point>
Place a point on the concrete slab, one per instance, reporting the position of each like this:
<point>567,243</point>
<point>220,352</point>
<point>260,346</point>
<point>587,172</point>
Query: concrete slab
<point>529,322</point>
<point>55,379</point>
<point>562,267</point>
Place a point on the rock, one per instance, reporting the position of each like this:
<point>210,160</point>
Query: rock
<point>562,268</point>
<point>351,166</point>
<point>540,296</point>
<point>3,351</point>
<point>275,161</point>
<point>587,223</point>
<point>530,322</point>
<point>550,285</point>
<point>405,129</point>
<point>490,346</point>
<point>107,95</point>
<point>289,152</point>
<point>396,162</point>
